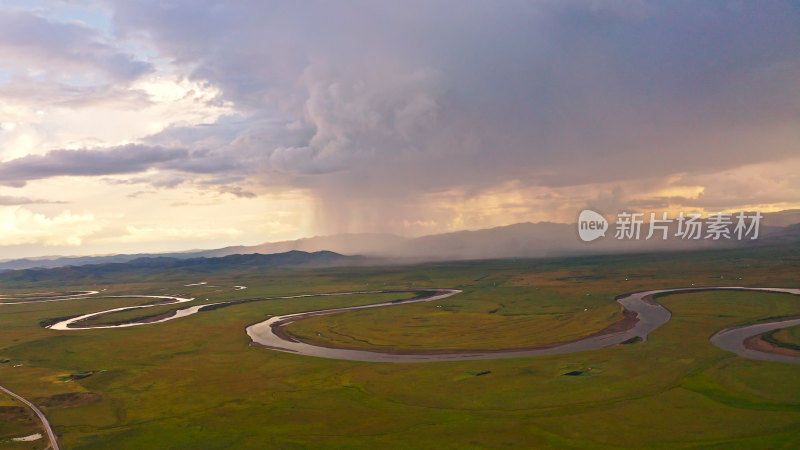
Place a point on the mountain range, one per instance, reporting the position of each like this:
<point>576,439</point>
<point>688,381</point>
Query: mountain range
<point>195,266</point>
<point>521,240</point>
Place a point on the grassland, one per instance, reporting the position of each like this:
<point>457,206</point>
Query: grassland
<point>16,421</point>
<point>787,338</point>
<point>489,318</point>
<point>196,383</point>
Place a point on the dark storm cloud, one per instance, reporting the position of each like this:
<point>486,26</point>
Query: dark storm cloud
<point>373,105</point>
<point>497,90</point>
<point>119,160</point>
<point>127,159</point>
<point>378,103</point>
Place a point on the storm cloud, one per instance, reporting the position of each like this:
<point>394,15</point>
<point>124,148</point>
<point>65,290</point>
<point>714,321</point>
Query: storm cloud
<point>387,112</point>
<point>498,90</point>
<point>120,160</point>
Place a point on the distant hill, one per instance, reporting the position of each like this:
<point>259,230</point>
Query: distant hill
<point>348,244</point>
<point>519,240</point>
<point>161,265</point>
<point>542,239</point>
<point>62,261</point>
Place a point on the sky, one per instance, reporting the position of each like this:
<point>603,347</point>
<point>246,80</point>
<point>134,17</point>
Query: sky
<point>147,126</point>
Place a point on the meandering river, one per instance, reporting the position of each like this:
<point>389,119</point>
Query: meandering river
<point>649,315</point>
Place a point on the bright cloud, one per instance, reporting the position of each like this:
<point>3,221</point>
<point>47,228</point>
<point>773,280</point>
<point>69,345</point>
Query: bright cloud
<point>110,119</point>
<point>19,225</point>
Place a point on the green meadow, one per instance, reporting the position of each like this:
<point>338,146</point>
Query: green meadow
<point>787,337</point>
<point>195,382</point>
<point>16,421</point>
